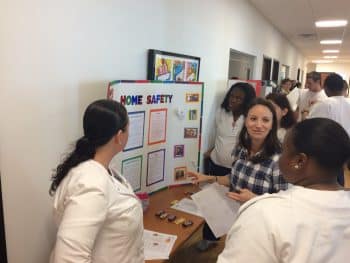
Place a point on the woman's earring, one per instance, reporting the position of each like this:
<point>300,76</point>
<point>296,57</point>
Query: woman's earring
<point>296,166</point>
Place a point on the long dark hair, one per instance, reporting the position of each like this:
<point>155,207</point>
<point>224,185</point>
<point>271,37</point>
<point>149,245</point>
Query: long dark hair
<point>324,140</point>
<point>102,120</point>
<point>249,95</point>
<point>288,120</point>
<point>271,144</point>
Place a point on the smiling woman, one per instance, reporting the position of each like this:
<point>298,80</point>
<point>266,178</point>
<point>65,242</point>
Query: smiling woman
<point>255,168</point>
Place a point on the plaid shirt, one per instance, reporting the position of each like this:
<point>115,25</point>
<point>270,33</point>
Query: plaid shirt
<point>260,178</point>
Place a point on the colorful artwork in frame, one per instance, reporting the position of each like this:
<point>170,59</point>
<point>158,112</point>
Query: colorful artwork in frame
<point>167,66</point>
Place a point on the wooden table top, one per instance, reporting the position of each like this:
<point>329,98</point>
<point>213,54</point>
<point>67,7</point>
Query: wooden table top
<point>161,201</point>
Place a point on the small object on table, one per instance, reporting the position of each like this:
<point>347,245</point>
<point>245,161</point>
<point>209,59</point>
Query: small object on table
<point>160,212</point>
<point>171,218</point>
<point>163,216</point>
<point>174,202</point>
<point>187,223</point>
<point>180,220</point>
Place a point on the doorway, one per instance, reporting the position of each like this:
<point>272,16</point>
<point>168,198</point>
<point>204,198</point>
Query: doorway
<point>241,65</point>
<point>266,69</point>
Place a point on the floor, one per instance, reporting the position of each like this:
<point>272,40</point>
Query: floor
<point>189,254</point>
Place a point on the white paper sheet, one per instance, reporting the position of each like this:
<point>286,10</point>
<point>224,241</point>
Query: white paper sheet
<point>157,126</point>
<point>131,170</point>
<point>293,98</point>
<point>155,168</point>
<point>188,206</point>
<point>218,210</point>
<point>157,245</point>
<point>136,129</point>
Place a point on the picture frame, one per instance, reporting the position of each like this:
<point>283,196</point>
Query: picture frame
<point>190,133</point>
<point>180,173</point>
<point>179,151</point>
<point>168,66</point>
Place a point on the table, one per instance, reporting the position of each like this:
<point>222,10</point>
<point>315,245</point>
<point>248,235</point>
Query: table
<point>161,201</point>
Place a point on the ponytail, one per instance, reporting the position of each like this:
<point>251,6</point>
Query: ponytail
<point>84,150</point>
<point>102,120</point>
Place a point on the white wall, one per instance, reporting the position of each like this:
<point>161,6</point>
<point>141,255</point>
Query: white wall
<point>341,69</point>
<point>57,56</point>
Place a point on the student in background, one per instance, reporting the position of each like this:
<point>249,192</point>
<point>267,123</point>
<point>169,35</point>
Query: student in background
<point>336,107</point>
<point>229,120</point>
<point>310,222</point>
<point>98,216</point>
<point>309,96</point>
<point>284,113</point>
<point>255,168</point>
<point>286,85</point>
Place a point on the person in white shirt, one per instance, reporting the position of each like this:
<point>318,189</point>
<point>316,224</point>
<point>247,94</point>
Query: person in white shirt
<point>99,218</point>
<point>229,121</point>
<point>336,107</point>
<point>309,222</point>
<point>309,96</point>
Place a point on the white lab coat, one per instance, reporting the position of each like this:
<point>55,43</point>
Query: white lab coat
<point>99,218</point>
<point>293,226</point>
<point>336,108</point>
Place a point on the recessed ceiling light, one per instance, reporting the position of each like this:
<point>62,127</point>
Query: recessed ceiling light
<point>331,23</point>
<point>330,56</point>
<point>322,61</point>
<point>330,41</point>
<point>330,51</point>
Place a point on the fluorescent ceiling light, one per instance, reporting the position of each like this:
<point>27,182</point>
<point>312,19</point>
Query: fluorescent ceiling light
<point>330,56</point>
<point>322,61</point>
<point>331,41</point>
<point>330,51</point>
<point>331,23</point>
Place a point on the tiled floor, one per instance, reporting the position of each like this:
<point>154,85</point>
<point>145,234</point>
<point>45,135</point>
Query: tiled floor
<point>189,254</point>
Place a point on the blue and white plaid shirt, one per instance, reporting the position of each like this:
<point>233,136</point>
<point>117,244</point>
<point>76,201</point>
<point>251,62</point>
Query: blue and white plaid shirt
<point>260,178</point>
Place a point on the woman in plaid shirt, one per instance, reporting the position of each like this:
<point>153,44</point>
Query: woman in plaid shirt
<point>255,170</point>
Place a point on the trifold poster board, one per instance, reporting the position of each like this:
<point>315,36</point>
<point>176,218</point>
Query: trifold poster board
<point>165,124</point>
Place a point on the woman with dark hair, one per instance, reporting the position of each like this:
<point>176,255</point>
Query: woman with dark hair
<point>310,222</point>
<point>229,121</point>
<point>255,168</point>
<point>98,216</point>
<point>285,115</point>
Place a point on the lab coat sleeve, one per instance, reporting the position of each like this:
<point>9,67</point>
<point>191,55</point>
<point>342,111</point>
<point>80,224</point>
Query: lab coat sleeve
<point>319,110</point>
<point>84,214</point>
<point>249,240</point>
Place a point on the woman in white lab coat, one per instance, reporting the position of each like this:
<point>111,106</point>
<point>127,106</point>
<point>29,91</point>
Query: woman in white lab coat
<point>98,216</point>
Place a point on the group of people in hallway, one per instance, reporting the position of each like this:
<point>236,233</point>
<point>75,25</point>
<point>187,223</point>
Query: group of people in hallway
<point>287,174</point>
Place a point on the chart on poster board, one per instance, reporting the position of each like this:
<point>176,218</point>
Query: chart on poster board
<point>165,123</point>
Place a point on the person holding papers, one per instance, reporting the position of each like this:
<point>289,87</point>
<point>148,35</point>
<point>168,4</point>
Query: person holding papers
<point>99,217</point>
<point>255,168</point>
<point>309,222</point>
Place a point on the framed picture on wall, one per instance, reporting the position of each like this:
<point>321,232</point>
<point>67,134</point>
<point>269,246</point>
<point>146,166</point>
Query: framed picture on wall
<point>167,66</point>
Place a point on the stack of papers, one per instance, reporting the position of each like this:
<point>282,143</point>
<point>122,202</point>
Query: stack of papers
<point>188,206</point>
<point>157,245</point>
<point>218,210</point>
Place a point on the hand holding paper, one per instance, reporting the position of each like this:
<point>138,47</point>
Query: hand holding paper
<point>198,177</point>
<point>243,196</point>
